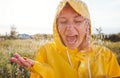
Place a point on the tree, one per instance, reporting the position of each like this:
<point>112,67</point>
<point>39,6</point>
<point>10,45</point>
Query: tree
<point>13,33</point>
<point>99,30</point>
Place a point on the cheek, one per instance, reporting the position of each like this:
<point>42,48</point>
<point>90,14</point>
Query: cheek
<point>82,30</point>
<point>81,36</point>
<point>61,34</point>
<point>62,37</point>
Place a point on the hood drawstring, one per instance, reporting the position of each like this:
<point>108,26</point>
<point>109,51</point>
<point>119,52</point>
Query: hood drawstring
<point>68,55</point>
<point>70,62</point>
<point>89,71</point>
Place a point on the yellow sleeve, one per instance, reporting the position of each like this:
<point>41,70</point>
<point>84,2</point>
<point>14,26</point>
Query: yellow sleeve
<point>41,69</point>
<point>113,66</point>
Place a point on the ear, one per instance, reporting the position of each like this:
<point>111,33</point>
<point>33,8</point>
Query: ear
<point>87,24</point>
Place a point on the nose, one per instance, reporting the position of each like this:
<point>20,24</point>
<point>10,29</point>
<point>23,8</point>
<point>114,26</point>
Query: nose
<point>70,26</point>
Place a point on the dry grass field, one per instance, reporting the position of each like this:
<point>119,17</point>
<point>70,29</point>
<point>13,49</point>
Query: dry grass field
<point>28,48</point>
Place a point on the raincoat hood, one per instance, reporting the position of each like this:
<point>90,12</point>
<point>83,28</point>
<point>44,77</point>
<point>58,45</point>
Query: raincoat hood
<point>54,60</point>
<point>79,6</point>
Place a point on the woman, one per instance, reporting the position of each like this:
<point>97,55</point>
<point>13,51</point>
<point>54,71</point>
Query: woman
<point>72,54</point>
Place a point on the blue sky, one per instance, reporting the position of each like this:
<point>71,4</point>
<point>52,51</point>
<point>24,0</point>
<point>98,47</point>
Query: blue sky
<point>105,14</point>
<point>36,16</point>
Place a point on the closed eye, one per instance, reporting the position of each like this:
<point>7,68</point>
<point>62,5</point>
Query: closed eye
<point>62,20</point>
<point>78,21</point>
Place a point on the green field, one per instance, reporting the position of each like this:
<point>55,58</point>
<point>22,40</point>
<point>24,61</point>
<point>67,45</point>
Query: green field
<point>28,48</point>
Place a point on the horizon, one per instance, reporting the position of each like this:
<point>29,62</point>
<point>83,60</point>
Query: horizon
<point>33,18</point>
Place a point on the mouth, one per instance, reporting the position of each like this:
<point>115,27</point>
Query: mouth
<point>71,39</point>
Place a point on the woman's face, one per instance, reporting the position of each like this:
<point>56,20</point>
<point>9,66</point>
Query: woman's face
<point>71,27</point>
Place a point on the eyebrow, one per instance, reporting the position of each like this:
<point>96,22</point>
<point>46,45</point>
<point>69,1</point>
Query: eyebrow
<point>61,17</point>
<point>77,16</point>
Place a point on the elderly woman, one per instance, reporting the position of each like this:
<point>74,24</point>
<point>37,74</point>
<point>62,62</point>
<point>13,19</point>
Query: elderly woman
<point>72,54</point>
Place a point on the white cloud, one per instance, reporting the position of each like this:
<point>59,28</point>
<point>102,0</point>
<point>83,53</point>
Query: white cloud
<point>28,14</point>
<point>36,16</point>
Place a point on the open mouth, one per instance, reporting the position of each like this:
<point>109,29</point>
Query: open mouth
<point>71,39</point>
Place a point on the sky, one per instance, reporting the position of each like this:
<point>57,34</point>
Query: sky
<point>36,16</point>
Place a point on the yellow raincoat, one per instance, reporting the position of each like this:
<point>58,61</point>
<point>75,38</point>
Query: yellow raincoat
<point>53,59</point>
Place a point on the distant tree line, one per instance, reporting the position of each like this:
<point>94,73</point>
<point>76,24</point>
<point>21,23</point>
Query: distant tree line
<point>108,37</point>
<point>14,35</point>
<point>11,35</point>
<point>113,37</point>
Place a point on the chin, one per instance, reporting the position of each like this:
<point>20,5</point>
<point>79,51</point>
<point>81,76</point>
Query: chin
<point>72,47</point>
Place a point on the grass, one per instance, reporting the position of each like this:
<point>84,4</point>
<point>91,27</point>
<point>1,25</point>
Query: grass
<point>115,47</point>
<point>28,48</point>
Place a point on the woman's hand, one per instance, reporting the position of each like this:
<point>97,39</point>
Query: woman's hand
<point>25,62</point>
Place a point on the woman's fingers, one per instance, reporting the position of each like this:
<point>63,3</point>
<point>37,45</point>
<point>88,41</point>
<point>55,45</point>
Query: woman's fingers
<point>13,59</point>
<point>22,61</point>
<point>18,57</point>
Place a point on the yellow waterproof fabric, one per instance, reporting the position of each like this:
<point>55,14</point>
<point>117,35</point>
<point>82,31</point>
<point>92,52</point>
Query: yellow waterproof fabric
<point>52,58</point>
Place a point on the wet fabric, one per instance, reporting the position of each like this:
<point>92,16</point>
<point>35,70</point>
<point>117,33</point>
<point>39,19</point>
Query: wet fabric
<point>53,59</point>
